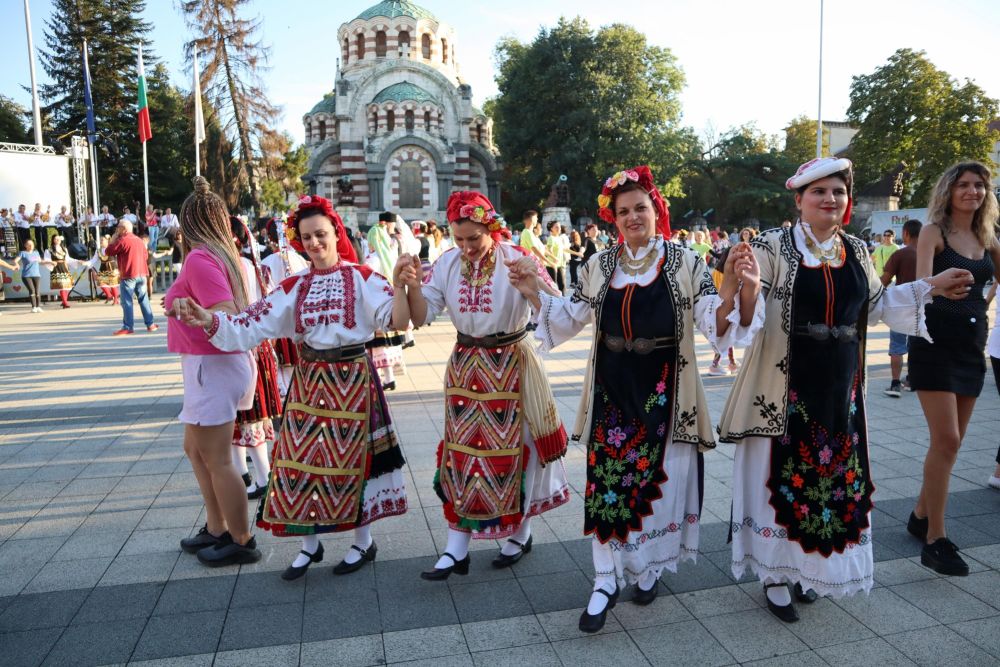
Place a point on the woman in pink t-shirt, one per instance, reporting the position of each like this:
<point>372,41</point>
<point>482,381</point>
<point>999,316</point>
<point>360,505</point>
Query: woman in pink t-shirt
<point>216,383</point>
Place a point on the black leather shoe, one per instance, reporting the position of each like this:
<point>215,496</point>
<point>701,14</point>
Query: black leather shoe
<point>389,386</point>
<point>292,573</point>
<point>442,573</point>
<point>247,479</point>
<point>199,541</point>
<point>917,527</point>
<point>786,613</point>
<point>256,493</point>
<point>503,560</point>
<point>367,556</point>
<point>942,557</point>
<point>228,552</point>
<point>594,622</point>
<point>808,597</point>
<point>642,598</point>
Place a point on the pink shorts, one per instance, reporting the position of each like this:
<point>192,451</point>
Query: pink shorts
<point>216,386</point>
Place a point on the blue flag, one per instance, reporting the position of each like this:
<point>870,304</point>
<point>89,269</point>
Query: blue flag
<point>88,100</point>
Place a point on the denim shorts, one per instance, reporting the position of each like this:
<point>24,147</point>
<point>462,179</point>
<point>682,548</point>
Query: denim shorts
<point>898,343</point>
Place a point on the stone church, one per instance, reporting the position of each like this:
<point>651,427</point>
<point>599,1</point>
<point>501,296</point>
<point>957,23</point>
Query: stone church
<point>399,121</point>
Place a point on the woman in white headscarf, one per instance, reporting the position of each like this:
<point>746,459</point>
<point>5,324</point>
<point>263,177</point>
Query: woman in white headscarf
<point>387,346</point>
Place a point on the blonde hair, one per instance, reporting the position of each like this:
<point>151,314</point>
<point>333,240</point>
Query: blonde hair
<point>984,220</point>
<point>205,224</point>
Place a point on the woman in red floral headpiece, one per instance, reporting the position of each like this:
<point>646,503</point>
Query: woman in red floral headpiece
<point>500,462</point>
<point>643,414</point>
<point>337,464</point>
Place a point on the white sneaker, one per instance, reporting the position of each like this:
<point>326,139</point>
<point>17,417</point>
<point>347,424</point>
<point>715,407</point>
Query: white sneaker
<point>994,482</point>
<point>716,370</point>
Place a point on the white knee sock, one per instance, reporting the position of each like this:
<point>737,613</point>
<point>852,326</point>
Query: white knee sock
<point>240,460</point>
<point>363,539</point>
<point>261,466</point>
<point>647,581</point>
<point>458,546</point>
<point>604,566</point>
<point>389,374</point>
<point>521,536</point>
<point>310,543</point>
<point>779,595</point>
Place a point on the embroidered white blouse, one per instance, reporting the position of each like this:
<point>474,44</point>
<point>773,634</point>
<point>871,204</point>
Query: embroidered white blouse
<point>483,302</point>
<point>276,269</point>
<point>323,308</point>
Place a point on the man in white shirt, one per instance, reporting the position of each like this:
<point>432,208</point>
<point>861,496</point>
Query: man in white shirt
<point>107,221</point>
<point>169,224</point>
<point>130,216</point>
<point>23,224</point>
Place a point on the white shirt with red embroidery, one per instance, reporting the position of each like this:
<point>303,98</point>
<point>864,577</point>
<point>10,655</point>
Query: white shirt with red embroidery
<point>494,306</point>
<point>277,266</point>
<point>323,308</point>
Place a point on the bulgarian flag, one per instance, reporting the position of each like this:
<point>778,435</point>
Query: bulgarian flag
<point>145,131</point>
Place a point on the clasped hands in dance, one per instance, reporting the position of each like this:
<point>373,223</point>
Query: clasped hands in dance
<point>800,299</point>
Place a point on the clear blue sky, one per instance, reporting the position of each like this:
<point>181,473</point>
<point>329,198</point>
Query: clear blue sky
<point>744,61</point>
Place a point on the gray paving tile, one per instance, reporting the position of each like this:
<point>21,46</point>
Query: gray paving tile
<point>714,601</point>
<point>427,606</point>
<point>823,623</point>
<point>254,590</point>
<point>490,600</point>
<point>684,643</point>
<point>503,633</point>
<point>339,616</point>
<point>262,656</point>
<point>66,575</point>
<point>42,610</point>
<point>112,603</point>
<point>363,651</point>
<point>244,628</point>
<point>97,643</point>
<point>939,645</point>
<point>543,559</point>
<point>557,591</point>
<point>160,540</point>
<point>900,571</point>
<point>464,660</point>
<point>139,569</point>
<point>199,660</point>
<point>424,643</point>
<point>28,648</point>
<point>984,632</point>
<point>754,635</point>
<point>614,648</point>
<point>865,653</point>
<point>191,595</point>
<point>803,659</point>
<point>180,634</point>
<point>538,655</point>
<point>93,543</point>
<point>944,602</point>
<point>694,577</point>
<point>884,612</point>
<point>564,624</point>
<point>664,609</point>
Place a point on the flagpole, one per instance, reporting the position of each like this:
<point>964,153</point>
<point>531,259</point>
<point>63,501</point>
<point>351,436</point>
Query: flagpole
<point>35,112</point>
<point>145,173</point>
<point>819,104</point>
<point>197,159</point>
<point>199,118</point>
<point>91,131</point>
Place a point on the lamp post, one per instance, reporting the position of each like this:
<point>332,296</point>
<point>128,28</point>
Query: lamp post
<point>819,108</point>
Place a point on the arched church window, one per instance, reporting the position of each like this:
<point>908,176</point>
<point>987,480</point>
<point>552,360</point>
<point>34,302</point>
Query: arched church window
<point>373,123</point>
<point>408,121</point>
<point>380,44</point>
<point>404,44</point>
<point>427,121</point>
<point>346,55</point>
<point>479,132</point>
<point>411,185</point>
<point>425,46</point>
<point>390,120</point>
<point>444,51</point>
<point>309,130</point>
<point>360,45</point>
<point>322,130</point>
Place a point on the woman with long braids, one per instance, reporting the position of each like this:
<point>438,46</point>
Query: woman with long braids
<point>216,383</point>
<point>255,426</point>
<point>336,464</point>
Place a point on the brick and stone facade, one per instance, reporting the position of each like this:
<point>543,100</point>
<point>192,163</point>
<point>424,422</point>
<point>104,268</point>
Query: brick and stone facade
<point>400,121</point>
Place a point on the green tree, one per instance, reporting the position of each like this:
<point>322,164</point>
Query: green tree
<point>282,167</point>
<point>113,30</point>
<point>12,117</point>
<point>800,140</point>
<point>910,111</point>
<point>171,150</point>
<point>585,104</point>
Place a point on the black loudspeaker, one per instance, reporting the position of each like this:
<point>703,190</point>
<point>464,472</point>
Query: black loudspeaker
<point>78,251</point>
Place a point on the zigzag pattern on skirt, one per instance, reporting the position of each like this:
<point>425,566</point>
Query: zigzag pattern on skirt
<point>481,462</point>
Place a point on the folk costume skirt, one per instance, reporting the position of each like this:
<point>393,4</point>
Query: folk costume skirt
<point>501,457</point>
<point>336,463</point>
<point>254,427</point>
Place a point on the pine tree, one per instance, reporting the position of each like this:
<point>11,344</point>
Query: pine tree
<point>12,117</point>
<point>230,64</point>
<point>113,30</point>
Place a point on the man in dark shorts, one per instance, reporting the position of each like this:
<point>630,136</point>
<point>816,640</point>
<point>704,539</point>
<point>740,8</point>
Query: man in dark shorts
<point>901,265</point>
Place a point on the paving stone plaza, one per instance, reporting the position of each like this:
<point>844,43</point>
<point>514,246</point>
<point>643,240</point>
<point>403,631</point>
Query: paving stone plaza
<point>95,493</point>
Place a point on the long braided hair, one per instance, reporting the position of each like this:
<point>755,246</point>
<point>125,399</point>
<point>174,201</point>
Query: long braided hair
<point>205,224</point>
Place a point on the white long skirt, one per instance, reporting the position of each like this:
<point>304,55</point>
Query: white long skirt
<point>668,536</point>
<point>758,540</point>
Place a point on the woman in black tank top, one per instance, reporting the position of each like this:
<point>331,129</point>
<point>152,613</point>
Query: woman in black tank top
<point>948,374</point>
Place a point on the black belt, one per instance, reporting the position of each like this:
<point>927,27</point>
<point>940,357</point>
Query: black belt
<point>493,340</point>
<point>845,334</point>
<point>345,353</point>
<point>637,345</point>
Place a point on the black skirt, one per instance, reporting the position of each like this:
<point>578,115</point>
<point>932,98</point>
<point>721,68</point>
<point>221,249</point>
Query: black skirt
<point>955,361</point>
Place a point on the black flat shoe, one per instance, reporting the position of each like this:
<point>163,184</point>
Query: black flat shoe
<point>594,622</point>
<point>786,613</point>
<point>256,493</point>
<point>503,560</point>
<point>199,541</point>
<point>389,386</point>
<point>247,479</point>
<point>642,598</point>
<point>292,573</point>
<point>228,552</point>
<point>917,527</point>
<point>942,556</point>
<point>808,597</point>
<point>441,573</point>
<point>367,556</point>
